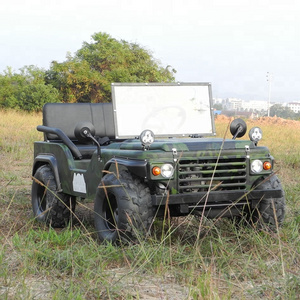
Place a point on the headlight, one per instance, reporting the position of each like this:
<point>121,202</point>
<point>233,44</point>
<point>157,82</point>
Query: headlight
<point>167,170</point>
<point>147,138</point>
<point>256,166</point>
<point>255,134</point>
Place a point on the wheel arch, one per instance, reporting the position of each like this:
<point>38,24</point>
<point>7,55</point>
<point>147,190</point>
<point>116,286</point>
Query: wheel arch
<point>44,159</point>
<point>136,167</point>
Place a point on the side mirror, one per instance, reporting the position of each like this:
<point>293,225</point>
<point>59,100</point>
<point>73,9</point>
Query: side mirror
<point>84,131</point>
<point>238,128</point>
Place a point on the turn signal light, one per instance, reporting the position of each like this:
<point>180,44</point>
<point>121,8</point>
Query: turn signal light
<point>156,171</point>
<point>267,165</point>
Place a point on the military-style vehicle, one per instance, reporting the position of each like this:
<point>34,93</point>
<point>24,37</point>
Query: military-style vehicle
<point>149,151</point>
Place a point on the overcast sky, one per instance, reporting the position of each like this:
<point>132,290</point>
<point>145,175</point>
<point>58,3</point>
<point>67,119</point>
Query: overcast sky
<point>230,43</point>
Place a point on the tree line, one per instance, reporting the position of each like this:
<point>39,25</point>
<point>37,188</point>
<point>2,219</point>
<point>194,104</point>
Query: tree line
<point>275,110</point>
<point>84,77</point>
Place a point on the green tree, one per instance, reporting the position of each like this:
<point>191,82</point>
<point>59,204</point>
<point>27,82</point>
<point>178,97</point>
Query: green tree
<point>26,90</point>
<point>32,97</point>
<point>10,83</point>
<point>218,106</point>
<point>87,76</point>
<point>282,112</point>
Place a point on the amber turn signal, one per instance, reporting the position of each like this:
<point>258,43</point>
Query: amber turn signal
<point>156,171</point>
<point>267,165</point>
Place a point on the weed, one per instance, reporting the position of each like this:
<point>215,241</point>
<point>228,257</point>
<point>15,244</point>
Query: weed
<point>183,258</point>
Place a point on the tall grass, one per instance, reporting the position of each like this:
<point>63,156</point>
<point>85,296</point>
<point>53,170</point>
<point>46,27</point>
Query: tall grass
<point>225,261</point>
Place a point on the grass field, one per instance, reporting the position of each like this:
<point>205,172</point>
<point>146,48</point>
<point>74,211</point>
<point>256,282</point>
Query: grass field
<point>223,262</point>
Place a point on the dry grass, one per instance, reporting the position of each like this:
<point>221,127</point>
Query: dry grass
<point>17,134</point>
<point>227,263</point>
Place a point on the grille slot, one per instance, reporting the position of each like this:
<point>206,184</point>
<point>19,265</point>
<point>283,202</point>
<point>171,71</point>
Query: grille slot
<point>202,174</point>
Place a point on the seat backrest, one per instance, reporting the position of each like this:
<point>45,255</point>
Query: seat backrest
<point>66,116</point>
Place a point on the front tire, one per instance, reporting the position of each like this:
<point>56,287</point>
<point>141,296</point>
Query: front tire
<point>48,205</point>
<point>123,210</point>
<point>270,212</point>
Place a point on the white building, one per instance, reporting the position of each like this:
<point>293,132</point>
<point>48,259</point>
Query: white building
<point>218,101</point>
<point>255,105</point>
<point>294,106</point>
<point>233,104</point>
<point>260,106</point>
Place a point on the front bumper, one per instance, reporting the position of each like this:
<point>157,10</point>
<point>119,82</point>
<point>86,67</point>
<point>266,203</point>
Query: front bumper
<point>217,198</point>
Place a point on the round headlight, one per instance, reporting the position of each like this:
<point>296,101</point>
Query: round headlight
<point>167,170</point>
<point>256,166</point>
<point>255,134</point>
<point>147,137</point>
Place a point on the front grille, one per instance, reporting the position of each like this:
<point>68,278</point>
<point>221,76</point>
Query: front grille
<point>203,174</point>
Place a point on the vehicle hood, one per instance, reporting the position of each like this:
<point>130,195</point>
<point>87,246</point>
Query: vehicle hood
<point>191,144</point>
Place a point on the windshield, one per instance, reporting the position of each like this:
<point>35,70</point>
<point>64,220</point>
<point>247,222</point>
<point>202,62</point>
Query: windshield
<point>166,109</point>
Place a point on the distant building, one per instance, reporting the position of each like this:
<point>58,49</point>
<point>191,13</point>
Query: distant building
<point>255,105</point>
<point>294,106</point>
<point>218,101</point>
<point>217,112</point>
<point>233,104</point>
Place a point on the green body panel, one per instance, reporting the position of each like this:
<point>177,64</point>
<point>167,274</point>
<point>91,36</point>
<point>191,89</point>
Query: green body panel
<point>68,166</point>
<point>130,154</point>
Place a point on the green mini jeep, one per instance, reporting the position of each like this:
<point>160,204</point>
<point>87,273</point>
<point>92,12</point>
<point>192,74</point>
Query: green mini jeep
<point>149,151</point>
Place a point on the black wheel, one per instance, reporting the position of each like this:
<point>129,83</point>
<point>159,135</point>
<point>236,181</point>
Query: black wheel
<point>123,209</point>
<point>50,206</point>
<point>270,212</point>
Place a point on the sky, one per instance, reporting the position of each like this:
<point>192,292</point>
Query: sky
<point>233,44</point>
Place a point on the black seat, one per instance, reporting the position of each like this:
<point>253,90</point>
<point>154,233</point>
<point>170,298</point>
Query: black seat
<point>65,116</point>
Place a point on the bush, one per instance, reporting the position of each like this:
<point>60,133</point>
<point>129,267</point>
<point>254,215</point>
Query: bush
<point>26,90</point>
<point>33,97</point>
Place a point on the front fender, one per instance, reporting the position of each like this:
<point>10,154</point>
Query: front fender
<point>136,167</point>
<point>43,159</point>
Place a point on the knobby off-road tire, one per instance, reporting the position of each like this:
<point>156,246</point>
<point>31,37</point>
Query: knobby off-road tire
<point>123,209</point>
<point>50,206</point>
<point>270,212</point>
